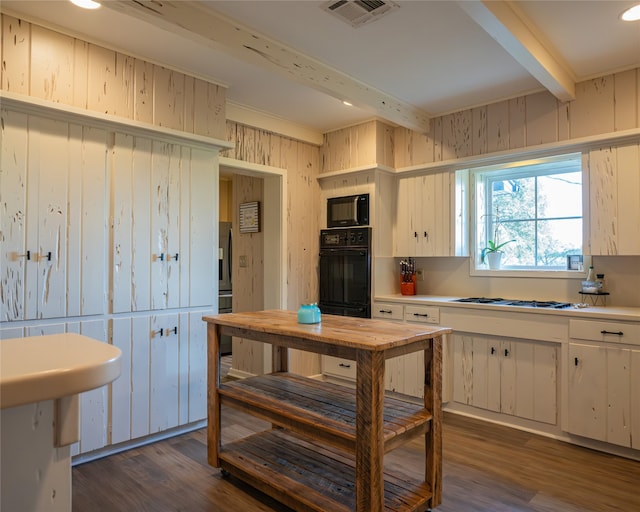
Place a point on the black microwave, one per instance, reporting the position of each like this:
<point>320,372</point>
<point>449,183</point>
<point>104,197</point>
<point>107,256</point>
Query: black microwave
<point>348,211</point>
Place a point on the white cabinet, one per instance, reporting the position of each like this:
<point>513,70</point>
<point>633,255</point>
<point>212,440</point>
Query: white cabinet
<point>604,382</point>
<point>614,209</point>
<point>425,215</point>
<point>164,373</point>
<point>163,225</point>
<point>515,377</point>
<point>53,222</point>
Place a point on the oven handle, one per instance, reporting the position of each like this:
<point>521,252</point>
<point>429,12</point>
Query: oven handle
<point>343,252</point>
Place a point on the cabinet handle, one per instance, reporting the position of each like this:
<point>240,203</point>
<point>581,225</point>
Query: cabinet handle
<point>26,255</point>
<point>506,352</point>
<point>174,257</point>
<point>161,257</point>
<point>344,365</point>
<point>161,331</point>
<point>172,329</point>
<point>619,333</point>
<point>421,314</point>
<point>575,361</point>
<point>426,235</point>
<point>493,350</point>
<point>385,311</point>
<point>415,234</point>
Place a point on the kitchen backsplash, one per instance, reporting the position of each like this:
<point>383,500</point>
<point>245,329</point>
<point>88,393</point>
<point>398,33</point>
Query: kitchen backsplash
<point>450,277</point>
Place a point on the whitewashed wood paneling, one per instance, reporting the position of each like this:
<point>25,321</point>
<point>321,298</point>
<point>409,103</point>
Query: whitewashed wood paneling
<point>94,403</point>
<point>628,178</point>
<point>164,372</point>
<point>197,366</point>
<point>140,372</point>
<point>121,388</point>
<point>13,221</point>
<point>619,396</point>
<point>592,111</point>
<point>635,399</point>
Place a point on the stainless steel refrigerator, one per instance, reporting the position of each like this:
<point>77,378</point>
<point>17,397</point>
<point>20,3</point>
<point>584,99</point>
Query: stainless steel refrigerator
<point>225,285</point>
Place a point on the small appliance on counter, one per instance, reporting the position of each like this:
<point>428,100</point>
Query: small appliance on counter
<point>408,276</point>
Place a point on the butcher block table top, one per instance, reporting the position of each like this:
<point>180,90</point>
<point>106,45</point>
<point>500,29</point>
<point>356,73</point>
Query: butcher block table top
<point>326,450</point>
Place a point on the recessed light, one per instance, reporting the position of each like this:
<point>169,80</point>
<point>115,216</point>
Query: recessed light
<point>345,102</point>
<point>631,14</point>
<point>86,4</point>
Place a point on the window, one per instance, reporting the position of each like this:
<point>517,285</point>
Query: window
<point>531,211</point>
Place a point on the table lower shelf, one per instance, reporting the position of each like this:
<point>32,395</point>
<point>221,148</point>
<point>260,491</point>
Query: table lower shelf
<point>309,476</point>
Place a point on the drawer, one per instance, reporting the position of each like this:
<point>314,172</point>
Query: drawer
<point>424,314</point>
<point>337,367</point>
<point>387,310</point>
<point>605,330</point>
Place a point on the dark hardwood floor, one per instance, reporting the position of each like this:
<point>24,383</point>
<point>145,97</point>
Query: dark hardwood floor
<point>487,468</point>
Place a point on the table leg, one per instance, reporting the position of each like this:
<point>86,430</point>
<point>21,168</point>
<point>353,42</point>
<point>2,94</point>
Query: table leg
<point>213,399</point>
<point>369,431</point>
<point>433,402</point>
<point>279,359</point>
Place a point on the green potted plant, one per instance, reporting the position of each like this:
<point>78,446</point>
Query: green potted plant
<point>492,253</point>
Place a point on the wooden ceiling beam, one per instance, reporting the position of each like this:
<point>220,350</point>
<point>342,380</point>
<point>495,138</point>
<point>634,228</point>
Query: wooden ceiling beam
<point>509,27</point>
<point>198,23</point>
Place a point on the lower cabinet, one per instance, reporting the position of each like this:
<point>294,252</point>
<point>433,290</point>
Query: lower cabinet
<point>164,373</point>
<point>510,376</point>
<point>604,383</point>
<point>403,374</point>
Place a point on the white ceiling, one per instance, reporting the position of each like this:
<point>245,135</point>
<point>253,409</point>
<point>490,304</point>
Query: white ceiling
<point>433,57</point>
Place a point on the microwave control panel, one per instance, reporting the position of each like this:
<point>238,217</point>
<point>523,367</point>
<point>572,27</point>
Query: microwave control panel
<point>345,237</point>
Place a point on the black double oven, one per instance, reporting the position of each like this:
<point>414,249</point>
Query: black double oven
<point>345,271</point>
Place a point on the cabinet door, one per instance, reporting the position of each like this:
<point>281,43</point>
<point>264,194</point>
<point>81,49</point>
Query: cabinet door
<point>406,219</point>
<point>462,368</point>
<point>536,381</point>
<point>635,399</point>
<point>165,376</point>
<point>587,391</point>
<point>13,220</point>
<point>54,221</point>
<point>165,225</point>
<point>508,382</point>
<point>618,396</point>
<point>614,187</point>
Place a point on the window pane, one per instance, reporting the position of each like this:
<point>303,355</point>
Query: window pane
<point>516,200</point>
<point>557,239</point>
<point>560,195</point>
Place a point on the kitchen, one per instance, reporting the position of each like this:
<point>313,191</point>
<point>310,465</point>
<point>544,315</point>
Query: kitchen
<point>381,145</point>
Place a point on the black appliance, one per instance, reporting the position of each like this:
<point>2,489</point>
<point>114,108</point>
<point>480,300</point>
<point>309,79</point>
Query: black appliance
<point>225,286</point>
<point>348,211</point>
<point>345,272</point>
<point>549,304</point>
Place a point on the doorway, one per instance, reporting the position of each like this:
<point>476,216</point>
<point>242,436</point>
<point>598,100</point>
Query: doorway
<point>258,262</point>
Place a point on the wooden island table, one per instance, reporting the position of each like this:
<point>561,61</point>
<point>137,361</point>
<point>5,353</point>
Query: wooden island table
<point>326,449</point>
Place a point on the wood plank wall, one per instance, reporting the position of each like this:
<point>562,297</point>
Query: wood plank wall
<point>51,66</point>
<point>602,105</point>
<point>302,163</point>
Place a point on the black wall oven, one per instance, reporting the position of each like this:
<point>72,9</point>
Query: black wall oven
<point>345,272</point>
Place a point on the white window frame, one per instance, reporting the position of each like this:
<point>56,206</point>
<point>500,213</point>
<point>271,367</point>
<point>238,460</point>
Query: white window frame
<point>475,269</point>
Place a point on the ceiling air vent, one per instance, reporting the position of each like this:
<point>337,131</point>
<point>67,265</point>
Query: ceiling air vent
<point>359,12</point>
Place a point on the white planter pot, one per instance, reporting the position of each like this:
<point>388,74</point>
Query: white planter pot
<point>493,259</point>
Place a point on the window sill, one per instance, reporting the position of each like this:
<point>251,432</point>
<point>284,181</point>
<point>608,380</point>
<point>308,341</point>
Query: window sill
<point>539,274</point>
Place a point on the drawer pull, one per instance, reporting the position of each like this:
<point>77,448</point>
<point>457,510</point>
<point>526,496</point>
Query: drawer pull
<point>344,365</point>
<point>421,314</point>
<point>619,333</point>
<point>385,311</point>
<point>575,361</point>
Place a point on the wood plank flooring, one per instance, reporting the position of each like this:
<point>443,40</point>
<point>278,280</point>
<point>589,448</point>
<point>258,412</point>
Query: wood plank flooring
<point>487,468</point>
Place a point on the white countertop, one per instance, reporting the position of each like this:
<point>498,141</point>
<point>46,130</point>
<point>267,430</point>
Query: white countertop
<point>591,312</point>
<point>41,368</point>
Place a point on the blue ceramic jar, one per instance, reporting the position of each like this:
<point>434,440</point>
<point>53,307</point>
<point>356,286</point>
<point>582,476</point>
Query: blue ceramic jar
<point>309,314</point>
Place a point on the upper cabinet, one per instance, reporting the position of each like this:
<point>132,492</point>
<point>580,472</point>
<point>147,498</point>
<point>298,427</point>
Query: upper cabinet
<point>612,204</point>
<point>54,228</point>
<point>430,217</point>
<point>163,224</point>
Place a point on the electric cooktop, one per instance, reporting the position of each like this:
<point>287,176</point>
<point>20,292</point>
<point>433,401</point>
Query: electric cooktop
<point>549,304</point>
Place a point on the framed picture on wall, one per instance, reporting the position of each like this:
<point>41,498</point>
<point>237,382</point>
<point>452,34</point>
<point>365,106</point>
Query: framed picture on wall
<point>250,217</point>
